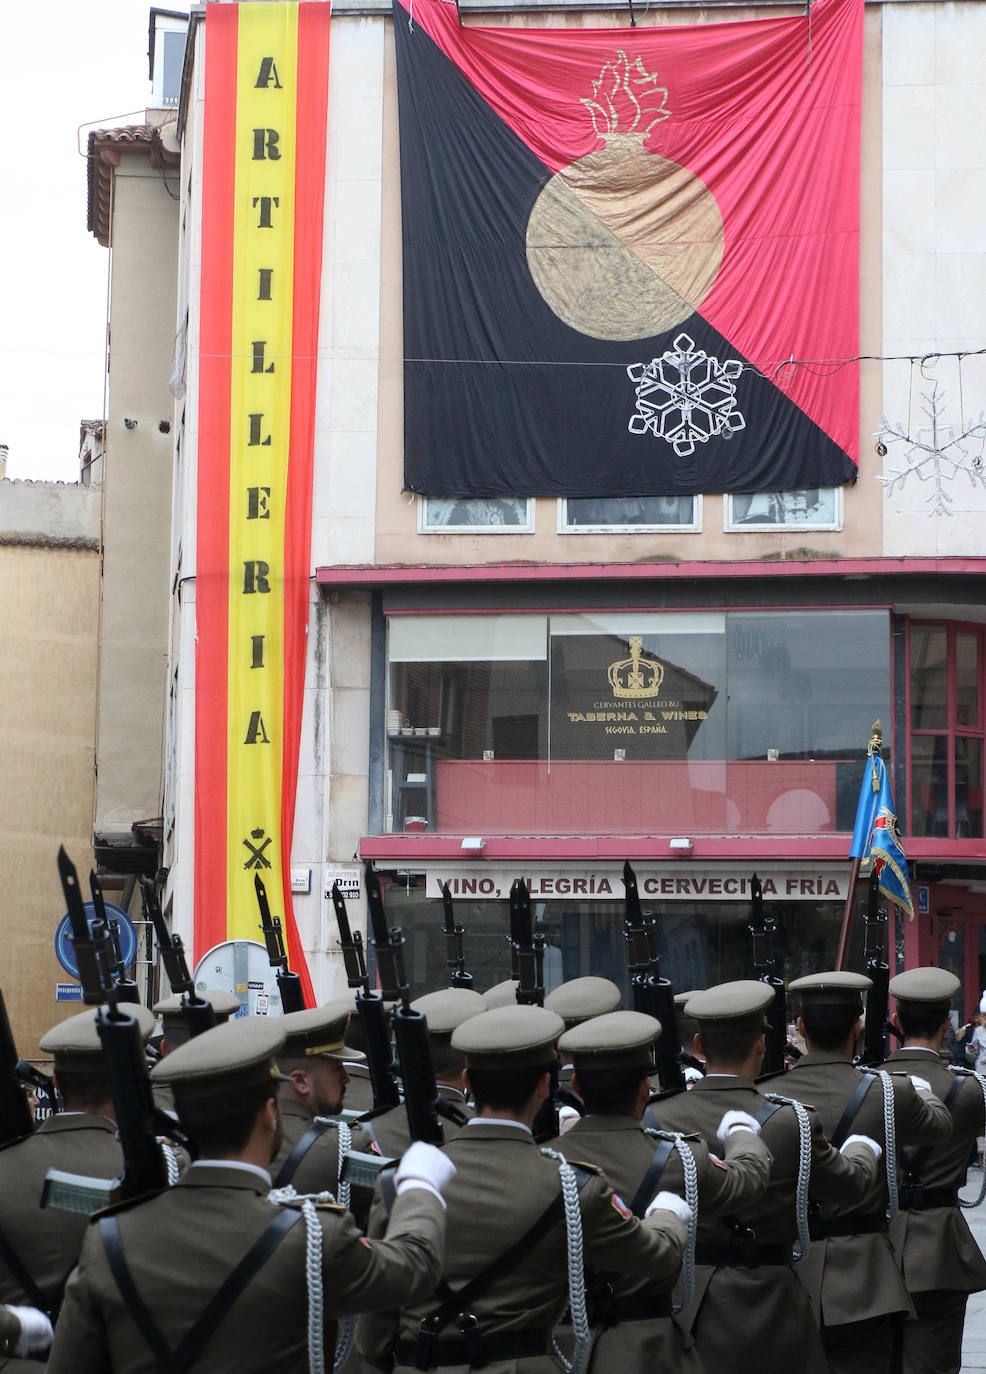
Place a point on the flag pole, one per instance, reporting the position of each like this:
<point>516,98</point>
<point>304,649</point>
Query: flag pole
<point>875,746</point>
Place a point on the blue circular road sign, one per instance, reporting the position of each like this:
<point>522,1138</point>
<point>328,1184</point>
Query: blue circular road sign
<point>65,950</point>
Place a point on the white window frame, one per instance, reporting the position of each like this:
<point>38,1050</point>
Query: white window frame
<point>750,527</point>
<point>526,528</point>
<point>694,527</point>
<point>165,21</point>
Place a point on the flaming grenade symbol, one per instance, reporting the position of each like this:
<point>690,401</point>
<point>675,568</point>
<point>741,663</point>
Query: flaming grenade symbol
<point>685,397</point>
<point>623,243</point>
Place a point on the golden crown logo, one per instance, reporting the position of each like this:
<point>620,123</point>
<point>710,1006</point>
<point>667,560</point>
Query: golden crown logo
<point>636,676</point>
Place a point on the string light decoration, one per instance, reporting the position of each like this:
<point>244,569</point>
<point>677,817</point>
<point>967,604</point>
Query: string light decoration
<point>936,452</point>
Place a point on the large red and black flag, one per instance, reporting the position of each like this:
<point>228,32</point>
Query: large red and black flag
<point>631,256</point>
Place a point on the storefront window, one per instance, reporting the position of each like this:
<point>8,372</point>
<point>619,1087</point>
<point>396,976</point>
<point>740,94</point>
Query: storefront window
<point>703,943</point>
<point>946,744</point>
<point>632,722</point>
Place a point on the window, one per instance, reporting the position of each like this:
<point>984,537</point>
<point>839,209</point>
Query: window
<point>630,513</point>
<point>814,508</point>
<point>732,722</point>
<point>946,736</point>
<point>499,515</point>
<point>167,54</point>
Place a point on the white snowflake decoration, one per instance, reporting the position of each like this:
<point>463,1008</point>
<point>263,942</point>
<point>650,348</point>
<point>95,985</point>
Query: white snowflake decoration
<point>686,397</point>
<point>936,453</point>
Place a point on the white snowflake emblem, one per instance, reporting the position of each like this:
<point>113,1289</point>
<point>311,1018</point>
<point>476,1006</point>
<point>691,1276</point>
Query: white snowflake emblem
<point>686,397</point>
<point>935,453</point>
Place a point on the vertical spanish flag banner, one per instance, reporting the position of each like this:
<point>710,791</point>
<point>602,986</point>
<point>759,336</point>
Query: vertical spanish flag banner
<point>266,91</point>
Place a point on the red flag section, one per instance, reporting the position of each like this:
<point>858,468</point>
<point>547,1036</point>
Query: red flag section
<point>724,159</point>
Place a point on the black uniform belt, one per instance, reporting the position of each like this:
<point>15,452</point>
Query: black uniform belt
<point>748,1253</point>
<point>475,1348</point>
<point>869,1225</point>
<point>918,1199</point>
<point>607,1309</point>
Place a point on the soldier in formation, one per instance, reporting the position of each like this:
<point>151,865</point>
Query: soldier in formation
<point>583,1249</point>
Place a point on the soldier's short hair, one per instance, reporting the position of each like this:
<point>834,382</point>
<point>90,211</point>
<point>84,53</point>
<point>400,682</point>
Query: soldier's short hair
<point>221,1125</point>
<point>610,1092</point>
<point>507,1089</point>
<point>731,1044</point>
<point>922,1020</point>
<point>84,1087</point>
<point>829,1024</point>
<point>446,1061</point>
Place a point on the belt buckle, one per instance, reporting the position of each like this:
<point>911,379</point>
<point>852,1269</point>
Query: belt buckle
<point>427,1332</point>
<point>469,1331</point>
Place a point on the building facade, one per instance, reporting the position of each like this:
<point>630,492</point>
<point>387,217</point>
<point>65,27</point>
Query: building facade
<point>547,687</point>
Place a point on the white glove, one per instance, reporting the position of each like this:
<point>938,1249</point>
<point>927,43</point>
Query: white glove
<point>861,1140</point>
<point>921,1084</point>
<point>567,1117</point>
<point>691,1075</point>
<point>36,1333</point>
<point>736,1121</point>
<point>670,1202</point>
<point>424,1166</point>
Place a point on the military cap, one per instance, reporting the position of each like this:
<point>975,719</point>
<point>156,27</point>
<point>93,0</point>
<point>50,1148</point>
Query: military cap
<point>928,985</point>
<point>224,1060</point>
<point>614,1040</point>
<point>731,1006</point>
<point>836,988</point>
<point>681,999</point>
<point>448,1008</point>
<point>320,1031</point>
<point>581,998</point>
<point>509,1037</point>
<point>501,994</point>
<point>75,1043</point>
<point>224,1004</point>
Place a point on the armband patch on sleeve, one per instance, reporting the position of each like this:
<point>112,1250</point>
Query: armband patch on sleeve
<point>714,1159</point>
<point>363,1241</point>
<point>620,1205</point>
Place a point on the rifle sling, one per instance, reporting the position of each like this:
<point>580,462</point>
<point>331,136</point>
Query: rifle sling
<point>850,1112</point>
<point>17,1267</point>
<point>193,1342</point>
<point>452,1303</point>
<point>915,1162</point>
<point>289,1168</point>
<point>650,1180</point>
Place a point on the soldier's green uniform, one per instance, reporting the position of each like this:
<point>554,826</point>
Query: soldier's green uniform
<point>750,1311</point>
<point>634,1327</point>
<point>39,1246</point>
<point>503,1185</point>
<point>173,1251</point>
<point>310,1157</point>
<point>444,1011</point>
<point>851,1274</point>
<point>941,1261</point>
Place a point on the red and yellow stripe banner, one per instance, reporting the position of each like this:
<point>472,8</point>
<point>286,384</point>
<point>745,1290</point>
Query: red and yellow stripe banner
<point>266,90</point>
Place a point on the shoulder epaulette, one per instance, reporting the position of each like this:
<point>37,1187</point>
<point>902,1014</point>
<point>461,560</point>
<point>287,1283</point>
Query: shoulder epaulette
<point>583,1164</point>
<point>320,1204</point>
<point>771,1077</point>
<point>125,1204</point>
<point>17,1140</point>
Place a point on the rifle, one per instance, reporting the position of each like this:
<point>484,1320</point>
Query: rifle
<point>454,952</point>
<point>369,1008</point>
<point>289,984</point>
<point>92,945</point>
<point>138,1120</point>
<point>410,1026</point>
<point>652,994</point>
<point>126,988</point>
<point>527,947</point>
<point>876,1037</point>
<point>762,929</point>
<point>197,1011</point>
<point>16,1117</point>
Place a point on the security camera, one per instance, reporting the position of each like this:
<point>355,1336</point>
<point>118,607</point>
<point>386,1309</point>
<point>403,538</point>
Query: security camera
<point>130,424</point>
